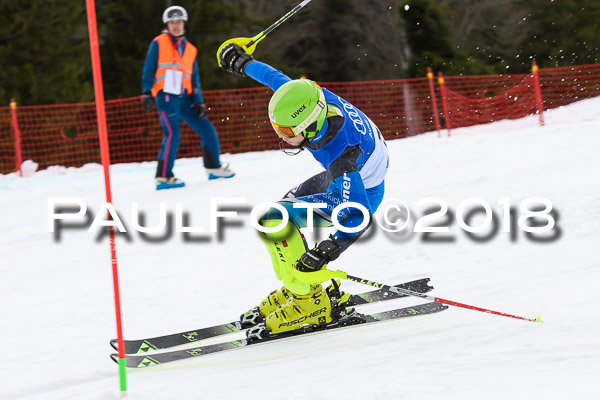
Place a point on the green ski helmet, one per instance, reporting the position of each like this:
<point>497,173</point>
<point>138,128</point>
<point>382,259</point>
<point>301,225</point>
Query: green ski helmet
<point>298,107</point>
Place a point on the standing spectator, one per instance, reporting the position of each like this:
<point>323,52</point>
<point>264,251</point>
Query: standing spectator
<point>171,81</point>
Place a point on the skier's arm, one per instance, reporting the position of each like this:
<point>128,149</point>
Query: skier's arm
<point>236,61</point>
<point>150,66</point>
<point>265,74</point>
<point>196,88</point>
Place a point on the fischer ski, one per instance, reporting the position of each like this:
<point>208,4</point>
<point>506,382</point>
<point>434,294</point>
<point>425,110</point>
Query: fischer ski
<point>176,339</point>
<point>353,319</point>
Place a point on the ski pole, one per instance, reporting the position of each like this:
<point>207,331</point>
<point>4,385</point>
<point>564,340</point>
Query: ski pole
<point>325,274</point>
<point>249,44</point>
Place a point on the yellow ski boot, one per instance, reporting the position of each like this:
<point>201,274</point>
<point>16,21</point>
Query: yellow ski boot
<point>258,314</point>
<point>300,311</point>
<point>318,307</point>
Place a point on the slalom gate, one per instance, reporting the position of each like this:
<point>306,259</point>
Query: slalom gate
<point>67,135</point>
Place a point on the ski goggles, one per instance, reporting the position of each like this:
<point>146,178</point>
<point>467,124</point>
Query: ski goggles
<point>284,131</point>
<point>310,123</point>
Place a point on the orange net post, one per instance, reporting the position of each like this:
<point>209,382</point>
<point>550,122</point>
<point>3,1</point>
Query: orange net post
<point>14,122</point>
<point>444,93</point>
<point>538,92</point>
<point>433,100</point>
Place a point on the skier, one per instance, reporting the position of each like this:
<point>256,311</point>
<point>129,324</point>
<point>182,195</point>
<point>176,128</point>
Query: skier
<point>171,81</point>
<point>353,152</point>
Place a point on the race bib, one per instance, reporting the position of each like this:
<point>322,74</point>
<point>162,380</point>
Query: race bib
<point>173,79</point>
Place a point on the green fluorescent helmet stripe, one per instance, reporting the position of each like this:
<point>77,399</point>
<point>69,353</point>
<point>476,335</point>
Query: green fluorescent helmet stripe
<point>275,100</point>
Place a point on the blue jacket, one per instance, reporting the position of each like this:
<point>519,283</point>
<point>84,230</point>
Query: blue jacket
<point>150,69</point>
<point>349,146</point>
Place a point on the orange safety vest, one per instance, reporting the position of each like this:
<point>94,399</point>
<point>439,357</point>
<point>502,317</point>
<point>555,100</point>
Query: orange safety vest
<point>168,58</point>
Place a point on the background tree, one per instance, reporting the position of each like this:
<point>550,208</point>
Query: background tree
<point>561,33</point>
<point>44,44</point>
<point>489,31</point>
<point>508,34</point>
<point>331,40</point>
<point>430,40</point>
<point>126,30</point>
<point>44,48</point>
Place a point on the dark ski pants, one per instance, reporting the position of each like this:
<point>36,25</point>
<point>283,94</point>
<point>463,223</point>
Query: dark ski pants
<point>171,110</point>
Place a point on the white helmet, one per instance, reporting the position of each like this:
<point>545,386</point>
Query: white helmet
<point>174,13</point>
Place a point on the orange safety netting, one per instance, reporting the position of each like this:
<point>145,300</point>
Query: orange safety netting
<point>67,135</point>
<point>476,100</point>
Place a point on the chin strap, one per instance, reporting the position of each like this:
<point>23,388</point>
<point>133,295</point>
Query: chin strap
<point>296,150</point>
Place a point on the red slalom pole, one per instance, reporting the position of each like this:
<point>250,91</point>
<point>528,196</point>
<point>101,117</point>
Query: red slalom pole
<point>15,125</point>
<point>105,156</point>
<point>538,92</point>
<point>436,117</point>
<point>442,83</point>
<point>343,275</point>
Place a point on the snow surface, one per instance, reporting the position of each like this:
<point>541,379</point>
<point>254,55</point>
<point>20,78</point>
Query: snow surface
<point>57,295</point>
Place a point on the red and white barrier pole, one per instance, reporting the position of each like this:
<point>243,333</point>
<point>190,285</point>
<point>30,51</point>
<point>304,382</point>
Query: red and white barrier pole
<point>436,117</point>
<point>105,156</point>
<point>442,84</point>
<point>538,92</point>
<point>15,125</point>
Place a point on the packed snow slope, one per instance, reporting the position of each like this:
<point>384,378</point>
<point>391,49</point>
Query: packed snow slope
<point>57,290</point>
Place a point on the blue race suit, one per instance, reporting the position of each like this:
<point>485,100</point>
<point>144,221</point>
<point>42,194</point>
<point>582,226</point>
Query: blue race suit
<point>172,108</point>
<point>354,155</point>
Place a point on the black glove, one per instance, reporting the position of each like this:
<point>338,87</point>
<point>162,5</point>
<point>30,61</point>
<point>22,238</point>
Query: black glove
<point>147,101</point>
<point>315,259</point>
<point>233,59</point>
<point>199,110</point>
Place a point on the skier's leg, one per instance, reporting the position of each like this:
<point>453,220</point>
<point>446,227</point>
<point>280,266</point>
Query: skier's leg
<point>167,108</point>
<point>313,185</point>
<point>209,142</point>
<point>284,255</point>
<point>295,299</point>
<point>302,303</point>
<point>298,301</point>
<point>285,247</point>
